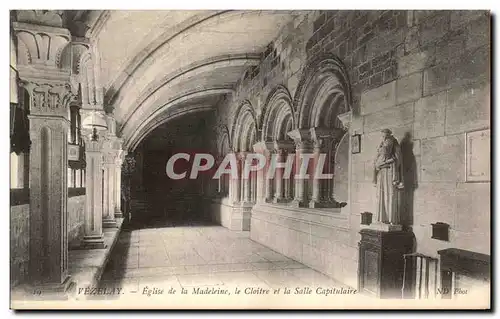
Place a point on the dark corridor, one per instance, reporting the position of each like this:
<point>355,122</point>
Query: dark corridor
<point>158,200</point>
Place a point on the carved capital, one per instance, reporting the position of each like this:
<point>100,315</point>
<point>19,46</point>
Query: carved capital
<point>49,98</point>
<point>41,46</point>
<point>120,157</point>
<point>301,138</point>
<point>323,138</point>
<point>346,119</point>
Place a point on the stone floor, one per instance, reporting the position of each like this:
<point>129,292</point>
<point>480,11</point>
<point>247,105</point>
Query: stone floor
<point>201,256</point>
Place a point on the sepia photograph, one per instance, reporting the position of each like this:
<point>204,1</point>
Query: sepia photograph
<point>250,159</point>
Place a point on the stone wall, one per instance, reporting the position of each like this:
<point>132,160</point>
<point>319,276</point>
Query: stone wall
<point>424,75</point>
<point>76,213</point>
<point>19,234</point>
<point>233,217</point>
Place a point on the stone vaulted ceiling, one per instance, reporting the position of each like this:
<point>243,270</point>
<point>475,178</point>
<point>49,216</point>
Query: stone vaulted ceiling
<point>158,63</point>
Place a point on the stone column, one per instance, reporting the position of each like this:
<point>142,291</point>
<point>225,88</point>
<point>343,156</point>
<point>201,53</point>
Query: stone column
<point>323,140</point>
<point>108,218</point>
<point>278,176</point>
<point>49,125</point>
<point>282,150</point>
<point>93,236</point>
<point>303,145</point>
<point>245,181</point>
<point>253,185</point>
<point>234,185</point>
<point>49,96</point>
<point>264,185</point>
<point>118,183</point>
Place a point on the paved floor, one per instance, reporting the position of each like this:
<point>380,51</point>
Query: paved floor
<point>202,256</point>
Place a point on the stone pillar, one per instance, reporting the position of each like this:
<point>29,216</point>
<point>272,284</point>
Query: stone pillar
<point>245,181</point>
<point>108,218</point>
<point>303,145</point>
<point>118,183</point>
<point>282,150</point>
<point>325,141</point>
<point>93,236</point>
<point>278,176</point>
<point>112,163</point>
<point>234,185</point>
<point>264,185</point>
<point>253,185</point>
<point>49,125</point>
<point>49,95</point>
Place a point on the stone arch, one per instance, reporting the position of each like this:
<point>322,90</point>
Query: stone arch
<point>278,116</point>
<point>322,99</point>
<point>223,141</point>
<point>245,122</point>
<point>323,92</point>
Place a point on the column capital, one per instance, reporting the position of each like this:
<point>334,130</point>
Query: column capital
<point>48,98</point>
<point>120,157</point>
<point>263,146</point>
<point>322,137</point>
<point>302,138</point>
<point>346,119</point>
<point>92,145</point>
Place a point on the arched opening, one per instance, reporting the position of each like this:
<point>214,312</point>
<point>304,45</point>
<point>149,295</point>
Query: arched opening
<point>223,149</point>
<point>278,121</point>
<point>245,130</point>
<point>323,97</point>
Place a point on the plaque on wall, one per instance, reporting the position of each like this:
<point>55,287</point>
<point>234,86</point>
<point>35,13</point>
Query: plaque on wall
<point>356,143</point>
<point>73,152</point>
<point>477,159</point>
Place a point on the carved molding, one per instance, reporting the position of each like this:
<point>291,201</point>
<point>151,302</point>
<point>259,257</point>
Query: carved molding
<point>278,104</point>
<point>319,67</point>
<point>240,123</point>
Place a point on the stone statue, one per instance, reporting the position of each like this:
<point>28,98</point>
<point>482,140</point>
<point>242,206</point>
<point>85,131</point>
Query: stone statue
<point>388,178</point>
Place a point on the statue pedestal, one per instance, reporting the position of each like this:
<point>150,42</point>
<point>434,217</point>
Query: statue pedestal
<point>381,262</point>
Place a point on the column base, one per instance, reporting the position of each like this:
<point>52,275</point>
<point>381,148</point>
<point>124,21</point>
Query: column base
<point>93,242</point>
<point>118,214</point>
<point>109,223</point>
<point>269,200</point>
<point>299,204</point>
